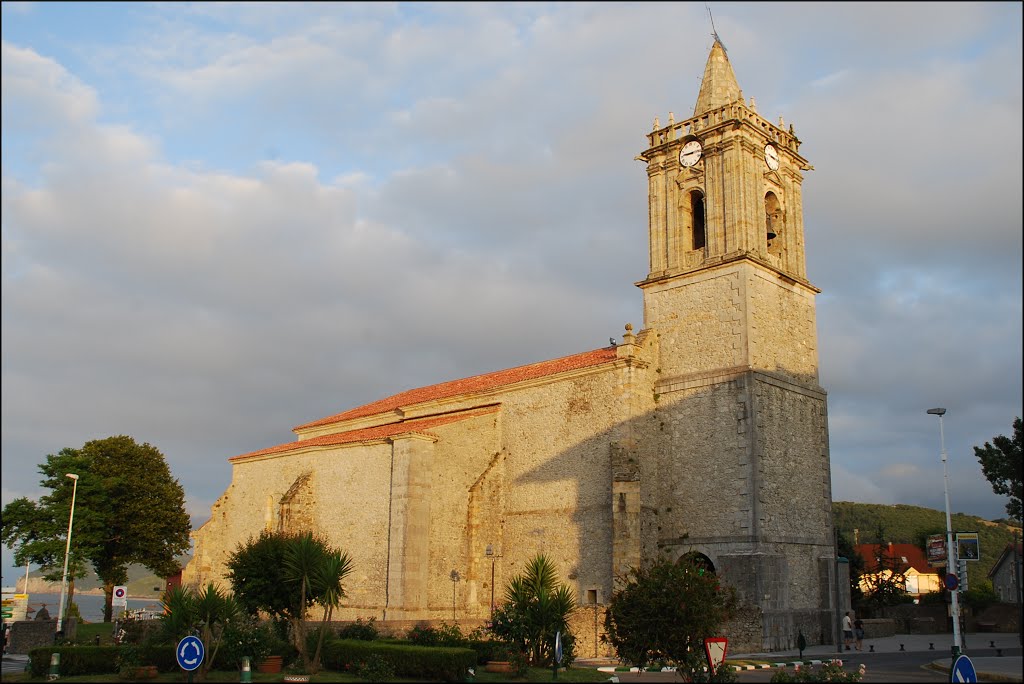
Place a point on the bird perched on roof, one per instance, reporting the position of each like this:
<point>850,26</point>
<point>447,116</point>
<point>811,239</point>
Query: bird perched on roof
<point>611,341</point>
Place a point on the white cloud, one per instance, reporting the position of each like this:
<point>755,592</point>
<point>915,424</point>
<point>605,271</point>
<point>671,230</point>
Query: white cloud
<point>269,216</point>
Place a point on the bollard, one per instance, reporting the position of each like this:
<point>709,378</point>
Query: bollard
<point>999,653</point>
<point>931,646</point>
<point>246,671</point>
<point>871,648</point>
<point>991,644</point>
<point>901,647</point>
<point>54,667</point>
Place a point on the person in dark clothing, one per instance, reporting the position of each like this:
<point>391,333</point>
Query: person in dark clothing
<point>858,633</point>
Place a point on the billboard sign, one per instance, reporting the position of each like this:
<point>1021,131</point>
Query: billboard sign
<point>936,550</point>
<point>967,546</point>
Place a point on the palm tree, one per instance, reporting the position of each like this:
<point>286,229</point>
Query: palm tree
<point>536,606</point>
<point>304,558</point>
<point>328,578</point>
<point>209,611</point>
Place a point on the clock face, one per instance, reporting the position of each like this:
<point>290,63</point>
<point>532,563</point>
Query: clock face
<point>771,156</point>
<point>690,153</point>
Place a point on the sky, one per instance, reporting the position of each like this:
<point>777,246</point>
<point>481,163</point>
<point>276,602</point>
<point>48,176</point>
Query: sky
<point>221,221</point>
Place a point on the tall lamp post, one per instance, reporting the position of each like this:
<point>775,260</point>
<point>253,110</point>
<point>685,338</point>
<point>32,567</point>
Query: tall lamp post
<point>67,551</point>
<point>950,551</point>
<point>490,554</point>
<point>455,577</point>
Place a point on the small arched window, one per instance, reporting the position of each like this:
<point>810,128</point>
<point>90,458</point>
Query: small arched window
<point>773,222</point>
<point>698,228</point>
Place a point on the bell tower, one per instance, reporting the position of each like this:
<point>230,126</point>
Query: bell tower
<point>742,450</point>
<point>724,189</point>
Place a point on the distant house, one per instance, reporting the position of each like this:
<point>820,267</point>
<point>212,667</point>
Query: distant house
<point>1004,579</point>
<point>906,559</point>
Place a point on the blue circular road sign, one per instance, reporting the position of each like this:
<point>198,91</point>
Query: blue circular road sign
<point>951,581</point>
<point>190,653</point>
<point>963,670</point>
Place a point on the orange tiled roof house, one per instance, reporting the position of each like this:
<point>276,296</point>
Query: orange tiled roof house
<point>704,431</point>
<point>907,560</point>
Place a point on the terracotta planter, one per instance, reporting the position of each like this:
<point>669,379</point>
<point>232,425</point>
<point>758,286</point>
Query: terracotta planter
<point>498,666</point>
<point>270,665</point>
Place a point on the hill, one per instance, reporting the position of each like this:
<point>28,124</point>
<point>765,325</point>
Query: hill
<point>900,523</point>
<point>141,583</point>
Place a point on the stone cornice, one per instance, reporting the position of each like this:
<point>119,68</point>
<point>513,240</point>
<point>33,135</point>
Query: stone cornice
<point>721,262</point>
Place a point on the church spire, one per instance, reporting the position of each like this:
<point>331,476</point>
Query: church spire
<point>719,86</point>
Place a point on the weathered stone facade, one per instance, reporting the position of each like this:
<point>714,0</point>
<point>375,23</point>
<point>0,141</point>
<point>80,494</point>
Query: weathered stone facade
<point>706,431</point>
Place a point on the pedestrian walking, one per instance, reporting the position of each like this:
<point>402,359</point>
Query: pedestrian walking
<point>847,630</point>
<point>858,633</point>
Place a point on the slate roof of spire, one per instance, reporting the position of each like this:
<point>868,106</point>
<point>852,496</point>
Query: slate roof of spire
<point>719,86</point>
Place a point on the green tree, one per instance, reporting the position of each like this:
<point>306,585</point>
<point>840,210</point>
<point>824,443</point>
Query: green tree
<point>886,580</point>
<point>128,509</point>
<point>536,607</point>
<point>1001,462</point>
<point>283,575</point>
<point>665,610</point>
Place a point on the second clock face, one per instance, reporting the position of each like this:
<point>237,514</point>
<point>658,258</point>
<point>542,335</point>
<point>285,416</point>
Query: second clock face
<point>771,156</point>
<point>689,154</point>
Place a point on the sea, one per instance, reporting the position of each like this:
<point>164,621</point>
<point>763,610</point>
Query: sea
<point>89,605</point>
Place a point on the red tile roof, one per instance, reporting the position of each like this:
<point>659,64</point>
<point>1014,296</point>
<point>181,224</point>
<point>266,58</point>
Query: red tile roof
<point>476,383</point>
<point>895,553</point>
<point>416,426</point>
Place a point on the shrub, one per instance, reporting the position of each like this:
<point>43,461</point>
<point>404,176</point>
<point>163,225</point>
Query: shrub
<point>359,630</point>
<point>244,637</point>
<point>831,671</point>
<point>75,660</point>
<point>376,669</point>
<point>445,635</point>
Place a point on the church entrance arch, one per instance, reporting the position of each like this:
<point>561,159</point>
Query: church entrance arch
<point>700,560</point>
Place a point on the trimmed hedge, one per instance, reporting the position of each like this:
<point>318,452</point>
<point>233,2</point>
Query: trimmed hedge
<point>75,660</point>
<point>436,663</point>
<point>92,660</point>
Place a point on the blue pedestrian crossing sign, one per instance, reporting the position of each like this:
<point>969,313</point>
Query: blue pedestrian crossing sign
<point>190,653</point>
<point>963,670</point>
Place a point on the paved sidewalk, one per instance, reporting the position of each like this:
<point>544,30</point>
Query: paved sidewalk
<point>981,648</point>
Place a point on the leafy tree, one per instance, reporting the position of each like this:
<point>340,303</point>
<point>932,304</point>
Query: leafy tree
<point>283,575</point>
<point>1001,462</point>
<point>128,509</point>
<point>536,607</point>
<point>886,582</point>
<point>665,610</point>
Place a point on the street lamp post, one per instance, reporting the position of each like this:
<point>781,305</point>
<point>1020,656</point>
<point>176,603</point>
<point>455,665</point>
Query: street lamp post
<point>67,551</point>
<point>455,577</point>
<point>950,551</point>
<point>490,554</point>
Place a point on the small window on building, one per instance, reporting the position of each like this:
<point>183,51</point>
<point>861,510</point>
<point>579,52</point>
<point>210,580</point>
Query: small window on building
<point>591,597</point>
<point>699,234</point>
<point>773,223</point>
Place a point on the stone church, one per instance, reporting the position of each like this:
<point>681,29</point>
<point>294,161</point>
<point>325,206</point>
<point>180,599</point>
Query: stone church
<point>705,431</point>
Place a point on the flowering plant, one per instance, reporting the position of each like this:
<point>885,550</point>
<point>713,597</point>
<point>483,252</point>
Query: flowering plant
<point>831,671</point>
<point>247,637</point>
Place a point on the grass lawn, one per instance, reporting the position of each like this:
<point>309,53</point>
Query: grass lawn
<point>86,634</point>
